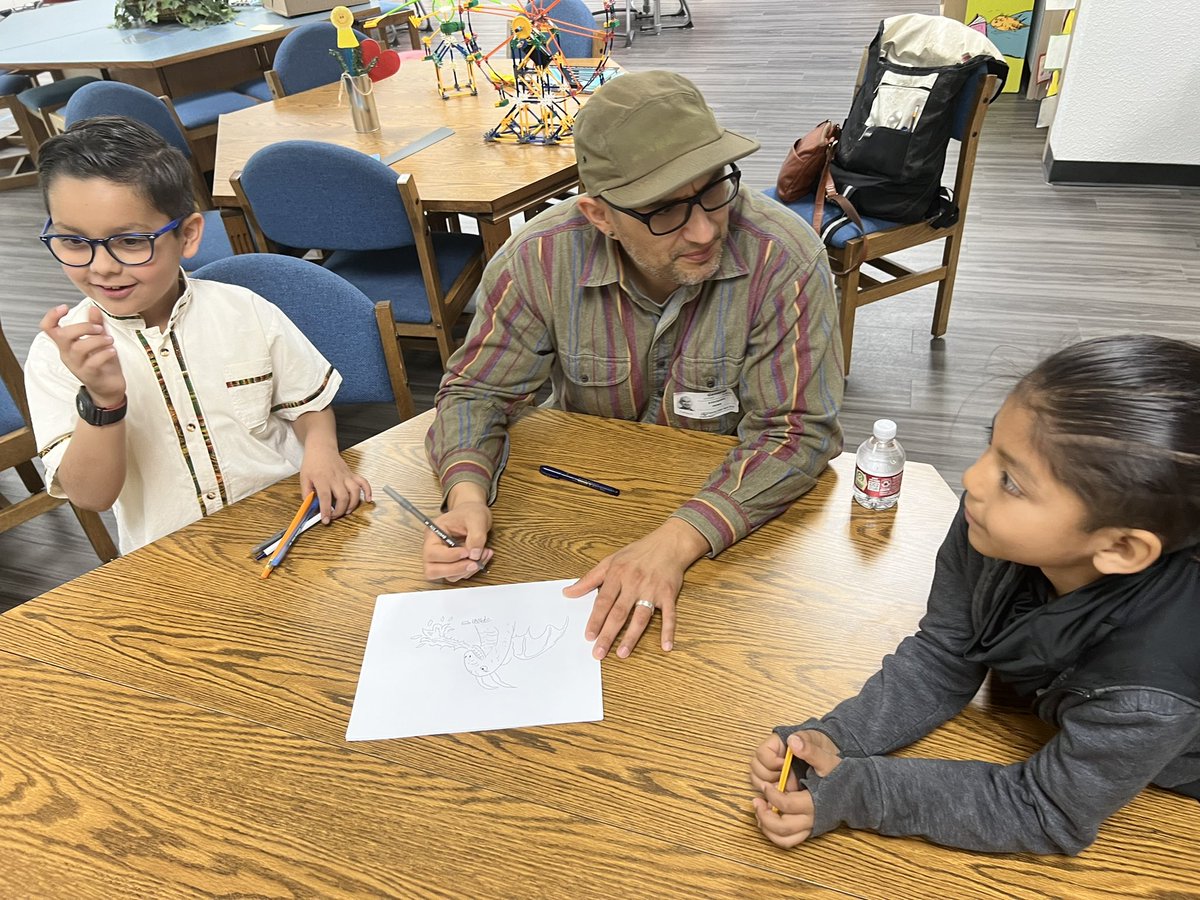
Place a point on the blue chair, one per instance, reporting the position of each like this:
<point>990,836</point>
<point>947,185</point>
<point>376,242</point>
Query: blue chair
<point>112,98</point>
<point>16,151</point>
<point>303,61</point>
<point>36,105</point>
<point>849,249</point>
<point>335,315</point>
<point>573,44</point>
<point>309,195</point>
<point>18,449</point>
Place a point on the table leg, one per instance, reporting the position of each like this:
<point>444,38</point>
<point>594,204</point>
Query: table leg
<point>494,235</point>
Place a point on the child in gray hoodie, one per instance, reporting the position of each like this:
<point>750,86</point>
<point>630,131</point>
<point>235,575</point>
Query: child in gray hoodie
<point>1072,573</point>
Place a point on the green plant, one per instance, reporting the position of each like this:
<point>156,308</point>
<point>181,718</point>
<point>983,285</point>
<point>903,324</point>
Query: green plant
<point>192,13</point>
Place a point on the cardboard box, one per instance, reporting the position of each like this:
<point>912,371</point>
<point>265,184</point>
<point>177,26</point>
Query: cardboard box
<point>291,8</point>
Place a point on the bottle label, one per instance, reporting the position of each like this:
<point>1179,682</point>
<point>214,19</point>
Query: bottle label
<point>877,487</point>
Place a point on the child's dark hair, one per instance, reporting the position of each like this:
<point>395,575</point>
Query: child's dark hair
<point>125,151</point>
<point>1118,421</point>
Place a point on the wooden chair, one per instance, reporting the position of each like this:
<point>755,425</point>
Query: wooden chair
<point>850,250</point>
<point>18,449</point>
<point>858,288</point>
<point>373,230</point>
<point>17,164</point>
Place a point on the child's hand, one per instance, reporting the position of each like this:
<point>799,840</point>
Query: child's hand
<point>786,817</point>
<point>87,350</point>
<point>767,765</point>
<point>339,490</point>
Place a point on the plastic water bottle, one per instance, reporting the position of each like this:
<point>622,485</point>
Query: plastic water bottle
<point>879,468</point>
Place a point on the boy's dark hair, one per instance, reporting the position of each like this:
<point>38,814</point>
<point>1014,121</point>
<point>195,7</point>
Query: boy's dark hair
<point>1118,421</point>
<point>123,150</point>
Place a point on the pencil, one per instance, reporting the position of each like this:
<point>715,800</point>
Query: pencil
<point>787,767</point>
<point>425,520</point>
<point>289,536</point>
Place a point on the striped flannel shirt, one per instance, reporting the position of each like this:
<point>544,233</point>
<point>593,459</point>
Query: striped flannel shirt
<point>554,304</point>
<point>211,401</point>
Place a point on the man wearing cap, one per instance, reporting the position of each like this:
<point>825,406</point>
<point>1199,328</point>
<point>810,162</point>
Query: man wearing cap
<point>664,295</point>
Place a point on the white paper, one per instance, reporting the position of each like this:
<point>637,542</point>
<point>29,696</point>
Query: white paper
<point>1056,51</point>
<point>1059,4</point>
<point>476,659</point>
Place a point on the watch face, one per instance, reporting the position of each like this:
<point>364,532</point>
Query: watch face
<point>84,405</point>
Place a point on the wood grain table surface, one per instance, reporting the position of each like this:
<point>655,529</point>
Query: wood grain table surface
<point>174,724</point>
<point>462,173</point>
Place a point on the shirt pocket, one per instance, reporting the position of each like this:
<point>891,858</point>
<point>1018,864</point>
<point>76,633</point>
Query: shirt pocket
<point>251,386</point>
<point>598,385</point>
<point>708,375</point>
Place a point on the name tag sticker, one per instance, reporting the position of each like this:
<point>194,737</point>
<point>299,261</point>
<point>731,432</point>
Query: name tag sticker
<point>697,405</point>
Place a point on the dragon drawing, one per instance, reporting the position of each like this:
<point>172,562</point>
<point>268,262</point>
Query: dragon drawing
<point>494,647</point>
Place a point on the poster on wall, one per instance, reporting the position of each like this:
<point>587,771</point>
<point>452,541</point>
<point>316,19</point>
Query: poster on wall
<point>1003,22</point>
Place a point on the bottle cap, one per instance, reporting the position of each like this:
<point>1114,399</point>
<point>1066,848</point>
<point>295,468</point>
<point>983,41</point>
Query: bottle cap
<point>884,430</point>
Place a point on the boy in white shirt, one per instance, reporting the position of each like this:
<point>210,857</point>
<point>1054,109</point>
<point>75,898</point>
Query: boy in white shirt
<point>162,396</point>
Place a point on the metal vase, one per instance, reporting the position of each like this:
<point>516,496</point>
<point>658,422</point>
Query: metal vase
<point>363,111</point>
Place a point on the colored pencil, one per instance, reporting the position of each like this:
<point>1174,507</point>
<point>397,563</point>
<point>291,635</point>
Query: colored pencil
<point>289,536</point>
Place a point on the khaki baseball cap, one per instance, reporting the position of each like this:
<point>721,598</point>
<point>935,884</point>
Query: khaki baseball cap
<point>644,135</point>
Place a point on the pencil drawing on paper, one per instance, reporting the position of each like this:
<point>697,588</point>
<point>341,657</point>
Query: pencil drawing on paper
<point>494,646</point>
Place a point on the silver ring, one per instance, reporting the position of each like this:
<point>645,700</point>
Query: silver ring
<point>649,604</point>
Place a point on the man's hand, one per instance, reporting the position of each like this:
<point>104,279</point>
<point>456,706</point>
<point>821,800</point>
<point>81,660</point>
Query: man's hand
<point>648,570</point>
<point>87,350</point>
<point>468,520</point>
<point>786,817</point>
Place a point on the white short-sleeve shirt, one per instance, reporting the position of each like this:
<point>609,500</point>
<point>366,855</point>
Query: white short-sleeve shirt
<point>211,402</point>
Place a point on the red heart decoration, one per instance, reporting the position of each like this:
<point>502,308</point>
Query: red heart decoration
<point>387,61</point>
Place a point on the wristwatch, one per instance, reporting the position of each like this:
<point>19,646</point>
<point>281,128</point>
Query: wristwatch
<point>98,415</point>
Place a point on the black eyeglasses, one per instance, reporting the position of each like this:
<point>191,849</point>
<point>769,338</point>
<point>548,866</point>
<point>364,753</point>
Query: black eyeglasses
<point>134,249</point>
<point>673,216</point>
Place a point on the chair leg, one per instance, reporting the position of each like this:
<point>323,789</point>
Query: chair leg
<point>30,477</point>
<point>847,286</point>
<point>446,342</point>
<point>397,371</point>
<point>941,309</point>
<point>97,534</point>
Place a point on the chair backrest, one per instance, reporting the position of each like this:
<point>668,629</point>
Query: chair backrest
<point>18,449</point>
<point>113,98</point>
<point>303,60</point>
<point>314,195</point>
<point>332,313</point>
<point>576,39</point>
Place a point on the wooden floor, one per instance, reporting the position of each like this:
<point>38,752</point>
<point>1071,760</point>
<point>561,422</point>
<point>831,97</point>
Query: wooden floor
<point>1042,266</point>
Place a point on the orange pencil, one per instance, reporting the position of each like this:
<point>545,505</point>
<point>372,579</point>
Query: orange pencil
<point>290,535</point>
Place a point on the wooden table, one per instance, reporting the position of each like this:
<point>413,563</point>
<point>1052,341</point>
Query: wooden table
<point>173,725</point>
<point>462,173</point>
<point>164,59</point>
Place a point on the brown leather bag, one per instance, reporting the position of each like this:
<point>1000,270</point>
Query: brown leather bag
<point>806,162</point>
<point>806,170</point>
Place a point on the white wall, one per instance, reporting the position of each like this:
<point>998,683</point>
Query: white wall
<point>1131,89</point>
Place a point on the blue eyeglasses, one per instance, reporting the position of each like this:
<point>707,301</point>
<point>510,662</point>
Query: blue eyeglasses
<point>134,249</point>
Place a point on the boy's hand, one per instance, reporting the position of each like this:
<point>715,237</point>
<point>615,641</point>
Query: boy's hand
<point>87,350</point>
<point>786,817</point>
<point>324,472</point>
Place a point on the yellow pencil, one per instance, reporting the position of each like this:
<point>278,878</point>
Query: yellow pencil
<point>285,542</point>
<point>787,767</point>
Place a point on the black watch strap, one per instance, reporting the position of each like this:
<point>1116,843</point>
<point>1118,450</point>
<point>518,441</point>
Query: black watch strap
<point>98,415</point>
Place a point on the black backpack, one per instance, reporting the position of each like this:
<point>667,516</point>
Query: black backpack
<point>892,151</point>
